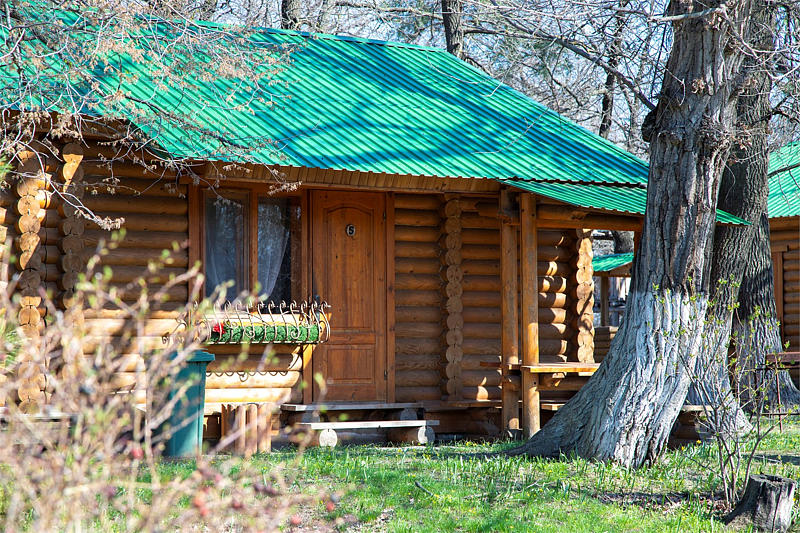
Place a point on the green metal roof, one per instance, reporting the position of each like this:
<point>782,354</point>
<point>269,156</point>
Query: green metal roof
<point>360,105</point>
<point>607,263</point>
<point>784,182</point>
<point>357,104</point>
<point>626,200</point>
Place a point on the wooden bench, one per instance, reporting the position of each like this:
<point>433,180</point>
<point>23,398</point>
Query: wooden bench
<point>688,429</point>
<point>567,376</point>
<point>315,412</point>
<point>399,431</point>
<point>560,376</point>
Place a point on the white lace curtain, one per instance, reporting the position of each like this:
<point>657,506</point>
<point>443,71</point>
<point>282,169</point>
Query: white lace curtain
<point>226,244</point>
<point>227,257</point>
<point>274,261</point>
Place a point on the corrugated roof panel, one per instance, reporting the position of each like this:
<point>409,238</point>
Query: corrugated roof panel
<point>784,182</point>
<point>622,199</point>
<point>360,105</point>
<point>607,263</point>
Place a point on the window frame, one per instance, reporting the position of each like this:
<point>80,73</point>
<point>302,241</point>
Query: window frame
<point>251,193</point>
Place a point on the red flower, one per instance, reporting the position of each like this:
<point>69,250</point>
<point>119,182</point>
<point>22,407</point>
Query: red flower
<point>219,327</point>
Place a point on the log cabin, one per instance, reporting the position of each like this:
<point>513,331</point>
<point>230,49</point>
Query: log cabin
<point>445,218</point>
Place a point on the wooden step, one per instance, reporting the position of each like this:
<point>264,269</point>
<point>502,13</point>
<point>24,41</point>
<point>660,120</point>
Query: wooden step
<point>366,424</point>
<point>301,408</point>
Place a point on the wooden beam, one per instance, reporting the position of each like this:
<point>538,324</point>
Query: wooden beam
<point>611,222</point>
<point>777,276</point>
<point>530,313</point>
<point>604,295</point>
<point>509,307</point>
<point>488,209</point>
<point>390,300</point>
<point>561,212</point>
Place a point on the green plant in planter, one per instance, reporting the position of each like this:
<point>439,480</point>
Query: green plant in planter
<point>227,333</point>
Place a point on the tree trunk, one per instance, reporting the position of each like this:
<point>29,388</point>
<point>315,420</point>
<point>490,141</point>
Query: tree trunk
<point>766,504</point>
<point>743,192</point>
<point>290,14</point>
<point>742,253</point>
<point>623,242</point>
<point>626,410</point>
<point>614,53</point>
<point>452,11</point>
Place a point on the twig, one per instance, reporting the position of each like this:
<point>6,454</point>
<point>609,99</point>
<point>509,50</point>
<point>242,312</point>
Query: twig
<point>426,491</point>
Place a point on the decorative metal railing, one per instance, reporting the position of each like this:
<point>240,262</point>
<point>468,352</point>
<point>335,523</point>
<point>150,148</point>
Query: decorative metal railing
<point>264,323</point>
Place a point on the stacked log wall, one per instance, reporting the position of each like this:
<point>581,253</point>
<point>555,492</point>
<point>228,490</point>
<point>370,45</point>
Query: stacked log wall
<point>418,313</point>
<point>424,289</point>
<point>156,212</point>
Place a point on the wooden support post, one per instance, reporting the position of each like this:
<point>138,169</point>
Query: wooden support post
<point>530,313</point>
<point>509,307</point>
<point>251,440</point>
<point>241,428</point>
<point>264,428</point>
<point>777,276</point>
<point>604,295</point>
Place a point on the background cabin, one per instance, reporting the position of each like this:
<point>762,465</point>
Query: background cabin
<point>784,225</point>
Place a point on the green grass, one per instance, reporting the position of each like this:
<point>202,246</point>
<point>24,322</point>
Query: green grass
<point>445,488</point>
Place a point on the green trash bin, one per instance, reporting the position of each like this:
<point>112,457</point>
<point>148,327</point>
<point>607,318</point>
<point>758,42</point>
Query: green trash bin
<point>187,441</point>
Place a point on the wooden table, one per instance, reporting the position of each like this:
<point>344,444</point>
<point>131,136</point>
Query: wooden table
<point>548,377</point>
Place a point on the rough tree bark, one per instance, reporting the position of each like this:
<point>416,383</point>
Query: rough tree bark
<point>743,192</point>
<point>626,410</point>
<point>742,254</point>
<point>766,504</point>
<point>623,242</point>
<point>755,326</point>
<point>453,26</point>
<point>290,14</point>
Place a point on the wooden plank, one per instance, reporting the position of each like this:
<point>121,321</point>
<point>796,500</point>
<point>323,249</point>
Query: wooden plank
<point>306,273</point>
<point>604,295</point>
<point>777,276</point>
<point>377,406</point>
<point>509,306</point>
<point>196,227</point>
<point>565,368</point>
<point>366,424</point>
<point>531,419</point>
<point>390,299</point>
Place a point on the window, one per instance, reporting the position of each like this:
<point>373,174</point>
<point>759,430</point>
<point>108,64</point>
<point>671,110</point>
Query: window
<point>254,241</point>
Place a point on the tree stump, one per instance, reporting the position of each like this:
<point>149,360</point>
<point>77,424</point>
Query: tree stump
<point>766,504</point>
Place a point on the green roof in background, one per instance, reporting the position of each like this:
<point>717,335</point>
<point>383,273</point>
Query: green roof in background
<point>784,182</point>
<point>607,263</point>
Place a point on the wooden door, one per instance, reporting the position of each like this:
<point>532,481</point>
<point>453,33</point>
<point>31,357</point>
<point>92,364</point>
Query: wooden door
<point>349,272</point>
